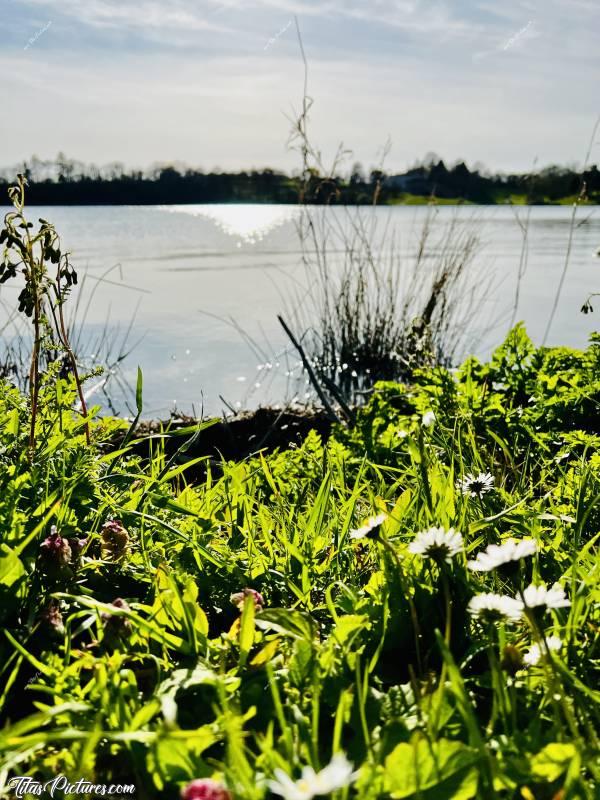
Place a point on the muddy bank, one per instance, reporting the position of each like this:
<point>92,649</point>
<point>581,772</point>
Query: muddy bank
<point>232,438</point>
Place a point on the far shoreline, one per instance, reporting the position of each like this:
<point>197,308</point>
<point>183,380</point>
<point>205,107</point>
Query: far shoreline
<point>412,200</point>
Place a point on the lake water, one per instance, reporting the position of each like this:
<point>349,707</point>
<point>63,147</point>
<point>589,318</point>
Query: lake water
<point>194,291</point>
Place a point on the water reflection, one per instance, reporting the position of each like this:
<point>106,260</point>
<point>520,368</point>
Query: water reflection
<point>248,222</point>
<point>214,305</point>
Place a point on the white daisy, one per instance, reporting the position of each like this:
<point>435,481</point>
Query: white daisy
<point>535,653</point>
<point>489,607</point>
<point>428,419</point>
<point>437,543</point>
<point>334,776</point>
<point>535,597</point>
<point>369,528</point>
<point>476,485</point>
<point>496,555</point>
<point>402,434</point>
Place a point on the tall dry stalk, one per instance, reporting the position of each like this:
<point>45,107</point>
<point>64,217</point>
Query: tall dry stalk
<point>43,295</point>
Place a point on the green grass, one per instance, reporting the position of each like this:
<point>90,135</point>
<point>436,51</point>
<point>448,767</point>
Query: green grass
<point>419,200</point>
<point>522,200</point>
<point>362,647</point>
<point>499,199</point>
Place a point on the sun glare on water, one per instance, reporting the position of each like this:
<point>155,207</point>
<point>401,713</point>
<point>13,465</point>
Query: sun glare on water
<point>247,222</point>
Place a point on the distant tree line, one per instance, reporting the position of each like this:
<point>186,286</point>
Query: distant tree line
<point>66,182</point>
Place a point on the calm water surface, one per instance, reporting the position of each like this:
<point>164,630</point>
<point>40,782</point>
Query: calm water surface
<point>194,291</point>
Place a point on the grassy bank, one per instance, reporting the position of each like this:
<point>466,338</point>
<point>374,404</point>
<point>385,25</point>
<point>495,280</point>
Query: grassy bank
<point>246,625</point>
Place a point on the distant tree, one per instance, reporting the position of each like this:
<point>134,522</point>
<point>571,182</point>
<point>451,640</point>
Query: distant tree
<point>430,160</point>
<point>168,174</point>
<point>377,176</point>
<point>357,175</point>
<point>65,168</point>
<point>35,169</point>
<point>113,171</point>
<point>592,179</point>
<point>65,180</point>
<point>481,169</point>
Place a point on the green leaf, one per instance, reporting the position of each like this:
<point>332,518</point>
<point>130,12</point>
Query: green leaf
<point>139,404</point>
<point>12,422</point>
<point>266,654</point>
<point>200,675</point>
<point>11,566</point>
<point>247,629</point>
<point>173,759</point>
<point>348,627</point>
<point>431,770</point>
<point>302,663</point>
<point>551,762</point>
<point>292,623</point>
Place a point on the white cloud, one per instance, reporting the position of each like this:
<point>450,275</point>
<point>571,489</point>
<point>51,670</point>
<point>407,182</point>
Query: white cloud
<point>142,14</point>
<point>220,98</point>
<point>418,16</point>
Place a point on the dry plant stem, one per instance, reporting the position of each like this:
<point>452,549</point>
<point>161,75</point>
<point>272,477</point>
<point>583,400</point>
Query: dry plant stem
<point>34,377</point>
<point>309,370</point>
<point>34,372</point>
<point>33,255</point>
<point>576,205</point>
<point>522,264</point>
<point>64,337</point>
<point>302,120</point>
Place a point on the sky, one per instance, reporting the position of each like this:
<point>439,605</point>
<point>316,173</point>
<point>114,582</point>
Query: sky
<point>215,83</point>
